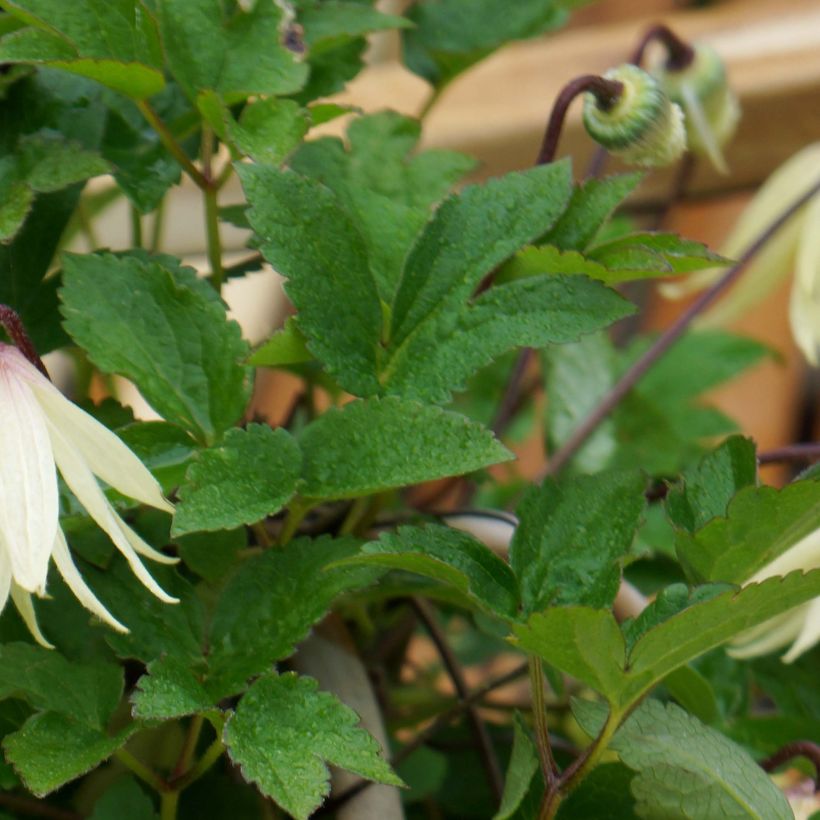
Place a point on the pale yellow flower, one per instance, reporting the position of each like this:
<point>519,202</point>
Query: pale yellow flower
<point>42,431</point>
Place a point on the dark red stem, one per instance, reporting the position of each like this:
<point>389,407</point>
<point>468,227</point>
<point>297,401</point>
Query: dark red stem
<point>605,91</point>
<point>800,748</point>
<point>13,325</point>
<point>679,53</point>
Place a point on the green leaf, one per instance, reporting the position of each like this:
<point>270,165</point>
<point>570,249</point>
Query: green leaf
<point>585,643</point>
<point>51,749</point>
<point>572,537</point>
<point>706,625</point>
<point>471,234</point>
<point>452,557</point>
<point>174,341</point>
<point>386,187</point>
<point>270,605</point>
<point>163,448</point>
<point>284,733</point>
<point>521,769</point>
<point>253,473</point>
<point>212,554</point>
<point>447,349</point>
<point>604,792</point>
<point>169,690</point>
<point>373,445</point>
<point>143,168</point>
<point>686,769</point>
<point>652,254</point>
<point>286,346</point>
<point>706,490</point>
<point>451,35</point>
<point>578,375</point>
<point>235,52</point>
<point>590,207</point>
<point>330,19</point>
<point>88,693</point>
<point>155,629</point>
<point>694,693</point>
<point>761,524</point>
<point>49,162</point>
<point>112,41</point>
<point>269,129</point>
<point>308,238</point>
<point>125,800</point>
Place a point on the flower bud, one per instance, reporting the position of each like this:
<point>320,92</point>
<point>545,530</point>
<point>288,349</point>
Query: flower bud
<point>642,127</point>
<point>711,109</point>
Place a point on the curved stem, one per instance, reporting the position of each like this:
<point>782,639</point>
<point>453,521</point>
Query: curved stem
<point>212,754</point>
<point>791,452</point>
<point>800,748</point>
<point>539,713</point>
<point>451,664</point>
<point>606,92</point>
<point>667,339</point>
<point>679,53</point>
<point>186,755</point>
<point>138,768</point>
<point>170,143</point>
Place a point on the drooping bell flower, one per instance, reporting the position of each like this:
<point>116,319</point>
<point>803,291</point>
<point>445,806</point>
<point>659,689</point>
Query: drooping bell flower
<point>41,431</point>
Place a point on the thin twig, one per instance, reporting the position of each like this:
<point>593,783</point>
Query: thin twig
<point>800,748</point>
<point>606,91</point>
<point>667,339</point>
<point>791,452</point>
<point>454,670</point>
<point>36,808</point>
<point>512,392</point>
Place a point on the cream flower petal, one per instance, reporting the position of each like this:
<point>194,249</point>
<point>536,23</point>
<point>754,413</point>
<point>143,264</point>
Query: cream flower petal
<point>74,581</point>
<point>142,547</point>
<point>769,636</point>
<point>804,307</point>
<point>5,580</point>
<point>82,483</point>
<point>803,555</point>
<point>809,634</point>
<point>22,600</point>
<point>29,503</point>
<point>103,451</point>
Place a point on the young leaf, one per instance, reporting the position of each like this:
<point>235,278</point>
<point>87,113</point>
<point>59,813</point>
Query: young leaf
<point>169,690</point>
<point>447,349</point>
<point>176,345</point>
<point>452,557</point>
<point>286,346</point>
<point>237,53</point>
<point>252,474</point>
<point>706,490</point>
<point>603,793</point>
<point>308,238</point>
<point>268,129</point>
<point>284,733</point>
<point>88,693</point>
<point>50,750</point>
<point>686,769</point>
<point>386,188</point>
<point>572,536</point>
<point>469,235</point>
<point>330,19</point>
<point>373,445</point>
<point>761,524</point>
<point>591,205</point>
<point>112,41</point>
<point>653,254</point>
<point>585,643</point>
<point>520,771</point>
<point>270,605</point>
<point>703,626</point>
<point>451,35</point>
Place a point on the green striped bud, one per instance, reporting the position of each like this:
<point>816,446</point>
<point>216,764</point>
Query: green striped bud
<point>711,109</point>
<point>643,126</point>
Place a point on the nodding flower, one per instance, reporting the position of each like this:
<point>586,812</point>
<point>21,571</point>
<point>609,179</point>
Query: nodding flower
<point>642,125</point>
<point>41,431</point>
<point>711,110</point>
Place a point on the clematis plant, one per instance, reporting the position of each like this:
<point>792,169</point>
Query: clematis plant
<point>350,525</point>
